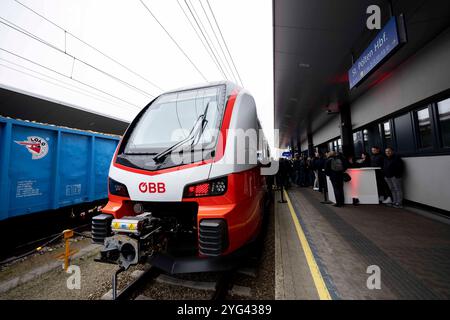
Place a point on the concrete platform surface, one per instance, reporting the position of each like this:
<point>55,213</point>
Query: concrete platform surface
<point>361,252</point>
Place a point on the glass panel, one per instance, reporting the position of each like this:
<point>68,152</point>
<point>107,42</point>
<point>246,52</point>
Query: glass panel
<point>387,134</point>
<point>404,134</point>
<point>173,116</point>
<point>358,144</point>
<point>444,120</point>
<point>424,121</point>
<point>366,135</point>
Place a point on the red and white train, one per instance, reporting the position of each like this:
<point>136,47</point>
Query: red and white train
<point>183,191</point>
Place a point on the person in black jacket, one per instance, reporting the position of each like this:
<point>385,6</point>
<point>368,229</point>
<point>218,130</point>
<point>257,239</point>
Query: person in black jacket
<point>321,161</point>
<point>282,174</point>
<point>335,168</point>
<point>296,167</point>
<point>315,168</point>
<point>393,172</point>
<point>377,161</point>
<point>364,162</point>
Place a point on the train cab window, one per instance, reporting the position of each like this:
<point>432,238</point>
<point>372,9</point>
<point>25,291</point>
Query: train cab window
<point>173,116</point>
<point>339,145</point>
<point>444,120</point>
<point>425,137</point>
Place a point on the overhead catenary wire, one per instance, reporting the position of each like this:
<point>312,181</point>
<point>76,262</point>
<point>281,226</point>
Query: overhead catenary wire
<point>200,38</point>
<point>89,45</point>
<point>205,35</point>
<point>173,40</point>
<point>218,42</point>
<point>225,43</point>
<point>36,38</point>
<point>64,75</point>
<point>59,82</point>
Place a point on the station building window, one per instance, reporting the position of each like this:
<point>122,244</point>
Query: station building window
<point>387,134</point>
<point>365,139</point>
<point>366,135</point>
<point>333,145</point>
<point>417,131</point>
<point>425,135</point>
<point>358,143</point>
<point>404,134</point>
<point>444,121</point>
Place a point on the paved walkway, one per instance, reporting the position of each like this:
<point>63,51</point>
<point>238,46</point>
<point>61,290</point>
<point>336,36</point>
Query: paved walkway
<point>412,252</point>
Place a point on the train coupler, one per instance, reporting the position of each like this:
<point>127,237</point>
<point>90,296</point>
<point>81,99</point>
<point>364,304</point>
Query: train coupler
<point>133,241</point>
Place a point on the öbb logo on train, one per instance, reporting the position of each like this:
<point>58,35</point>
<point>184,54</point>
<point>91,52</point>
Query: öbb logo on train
<point>152,187</point>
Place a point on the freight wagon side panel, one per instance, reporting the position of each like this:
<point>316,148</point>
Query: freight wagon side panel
<point>4,181</point>
<point>103,153</point>
<point>30,169</point>
<point>47,167</point>
<point>74,168</point>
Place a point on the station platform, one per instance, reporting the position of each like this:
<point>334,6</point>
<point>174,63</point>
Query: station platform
<point>323,252</point>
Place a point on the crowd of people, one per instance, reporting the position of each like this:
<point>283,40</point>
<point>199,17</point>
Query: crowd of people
<point>312,171</point>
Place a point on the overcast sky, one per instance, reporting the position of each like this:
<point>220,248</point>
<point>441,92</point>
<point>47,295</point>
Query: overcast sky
<point>127,32</point>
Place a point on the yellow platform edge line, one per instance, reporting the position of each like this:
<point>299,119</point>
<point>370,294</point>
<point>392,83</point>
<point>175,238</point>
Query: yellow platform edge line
<point>321,288</point>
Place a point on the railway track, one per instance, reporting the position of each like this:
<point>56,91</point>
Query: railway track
<point>219,290</point>
<point>35,246</point>
<point>25,235</point>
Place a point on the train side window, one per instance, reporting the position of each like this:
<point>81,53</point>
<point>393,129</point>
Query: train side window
<point>425,135</point>
<point>444,121</point>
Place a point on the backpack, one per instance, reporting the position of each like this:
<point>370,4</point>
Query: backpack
<point>337,165</point>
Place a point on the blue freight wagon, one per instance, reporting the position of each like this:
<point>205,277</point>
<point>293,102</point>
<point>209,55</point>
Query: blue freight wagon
<point>44,167</point>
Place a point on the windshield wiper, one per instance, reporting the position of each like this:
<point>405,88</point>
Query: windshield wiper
<point>192,135</point>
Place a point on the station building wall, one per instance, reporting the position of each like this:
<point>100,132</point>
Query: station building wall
<point>327,132</point>
<point>396,101</point>
<point>304,145</point>
<point>425,74</point>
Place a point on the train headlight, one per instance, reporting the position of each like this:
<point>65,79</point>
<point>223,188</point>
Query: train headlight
<point>117,188</point>
<point>214,187</point>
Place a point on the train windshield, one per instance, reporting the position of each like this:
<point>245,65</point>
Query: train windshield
<point>173,116</point>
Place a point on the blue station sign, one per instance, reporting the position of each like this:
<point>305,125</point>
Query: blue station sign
<point>387,40</point>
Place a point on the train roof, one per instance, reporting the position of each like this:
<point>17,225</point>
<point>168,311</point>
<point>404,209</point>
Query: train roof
<point>229,84</point>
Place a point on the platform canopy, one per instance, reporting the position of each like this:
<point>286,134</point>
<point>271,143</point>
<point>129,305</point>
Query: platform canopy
<point>313,46</point>
<point>24,106</point>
